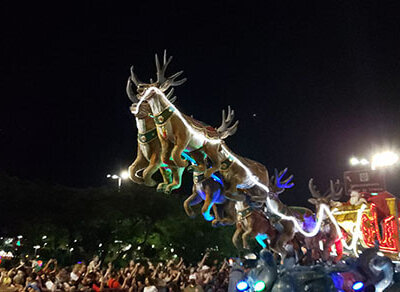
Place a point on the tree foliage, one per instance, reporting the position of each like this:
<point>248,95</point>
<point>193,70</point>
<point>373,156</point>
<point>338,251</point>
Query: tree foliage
<point>136,222</point>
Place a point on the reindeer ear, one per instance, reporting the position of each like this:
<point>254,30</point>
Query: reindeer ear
<point>313,201</point>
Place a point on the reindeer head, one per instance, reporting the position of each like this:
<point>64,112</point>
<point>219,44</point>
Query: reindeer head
<point>225,130</point>
<point>333,193</point>
<point>163,83</point>
<point>144,109</point>
<point>278,185</point>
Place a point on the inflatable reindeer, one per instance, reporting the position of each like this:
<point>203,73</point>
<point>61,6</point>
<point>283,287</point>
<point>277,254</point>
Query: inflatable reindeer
<point>328,234</point>
<point>148,159</point>
<point>178,132</point>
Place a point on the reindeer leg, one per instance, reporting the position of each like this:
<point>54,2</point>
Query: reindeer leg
<point>208,203</point>
<point>216,215</point>
<point>235,237</point>
<point>153,166</point>
<point>177,152</point>
<point>187,204</point>
<point>139,163</point>
<point>212,153</point>
<point>245,235</point>
<point>176,179</point>
<point>167,178</point>
<point>166,149</point>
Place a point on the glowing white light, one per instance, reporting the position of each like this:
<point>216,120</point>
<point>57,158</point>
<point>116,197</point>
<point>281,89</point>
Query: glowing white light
<point>323,209</point>
<point>114,176</point>
<point>354,161</point>
<point>19,236</point>
<point>124,174</point>
<point>139,248</point>
<point>71,249</point>
<point>383,159</point>
<point>364,161</point>
<point>45,244</point>
<point>44,237</point>
<point>128,247</point>
<point>321,245</point>
<point>152,246</point>
<point>100,244</point>
<point>36,246</point>
<point>172,250</point>
<point>75,240</point>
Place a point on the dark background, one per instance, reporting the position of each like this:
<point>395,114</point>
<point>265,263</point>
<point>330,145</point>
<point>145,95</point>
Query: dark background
<point>321,78</point>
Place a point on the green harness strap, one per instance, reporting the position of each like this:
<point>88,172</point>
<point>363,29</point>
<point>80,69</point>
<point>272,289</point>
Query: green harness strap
<point>148,136</point>
<point>163,117</point>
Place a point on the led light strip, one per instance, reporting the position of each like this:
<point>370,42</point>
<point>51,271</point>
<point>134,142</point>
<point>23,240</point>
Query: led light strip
<point>322,208</point>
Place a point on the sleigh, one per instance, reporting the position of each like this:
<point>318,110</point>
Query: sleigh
<point>373,226</point>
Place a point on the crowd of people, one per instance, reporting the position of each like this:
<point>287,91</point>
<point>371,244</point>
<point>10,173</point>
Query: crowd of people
<point>170,276</point>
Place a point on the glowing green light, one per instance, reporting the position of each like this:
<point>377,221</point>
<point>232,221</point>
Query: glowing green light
<point>259,286</point>
<point>19,243</point>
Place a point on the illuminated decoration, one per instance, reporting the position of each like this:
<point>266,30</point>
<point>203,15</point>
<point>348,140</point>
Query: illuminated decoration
<point>260,239</point>
<point>259,286</point>
<point>242,286</point>
<point>384,159</point>
<point>324,209</point>
<point>370,228</point>
<point>357,286</point>
<point>364,229</point>
<point>18,242</point>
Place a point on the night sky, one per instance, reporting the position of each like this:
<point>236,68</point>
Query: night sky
<point>312,83</point>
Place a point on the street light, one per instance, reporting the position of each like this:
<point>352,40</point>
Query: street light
<point>384,159</point>
<point>356,161</point>
<point>124,175</point>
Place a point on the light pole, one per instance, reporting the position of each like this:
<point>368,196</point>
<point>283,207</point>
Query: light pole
<point>122,176</point>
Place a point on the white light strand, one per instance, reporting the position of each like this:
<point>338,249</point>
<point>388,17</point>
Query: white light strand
<point>322,209</point>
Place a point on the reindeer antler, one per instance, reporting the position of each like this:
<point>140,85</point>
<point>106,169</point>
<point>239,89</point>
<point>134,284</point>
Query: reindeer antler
<point>166,82</point>
<point>313,189</point>
<point>286,184</point>
<point>279,186</point>
<point>134,78</point>
<point>130,92</point>
<point>335,190</point>
<point>224,130</point>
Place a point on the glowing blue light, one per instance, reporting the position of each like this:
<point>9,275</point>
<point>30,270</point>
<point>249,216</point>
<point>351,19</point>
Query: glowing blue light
<point>260,239</point>
<point>217,179</point>
<point>259,286</point>
<point>242,286</point>
<point>187,157</point>
<point>358,286</point>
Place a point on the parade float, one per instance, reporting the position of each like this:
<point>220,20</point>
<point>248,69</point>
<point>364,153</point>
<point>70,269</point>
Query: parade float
<point>360,225</point>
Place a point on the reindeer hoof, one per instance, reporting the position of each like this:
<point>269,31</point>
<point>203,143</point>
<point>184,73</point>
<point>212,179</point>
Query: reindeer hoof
<point>215,223</point>
<point>161,187</point>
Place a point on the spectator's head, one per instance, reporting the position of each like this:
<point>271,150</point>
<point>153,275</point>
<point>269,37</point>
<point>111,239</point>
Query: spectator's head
<point>192,279</point>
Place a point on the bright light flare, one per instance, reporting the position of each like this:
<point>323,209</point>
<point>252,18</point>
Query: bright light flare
<point>384,159</point>
<point>242,286</point>
<point>259,286</point>
<point>124,174</point>
<point>357,286</point>
<point>354,161</point>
